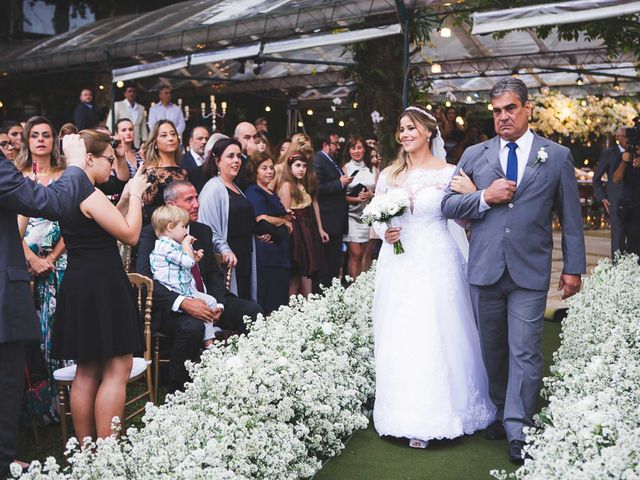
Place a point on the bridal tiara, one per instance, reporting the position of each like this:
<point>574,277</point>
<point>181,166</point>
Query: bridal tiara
<point>420,110</point>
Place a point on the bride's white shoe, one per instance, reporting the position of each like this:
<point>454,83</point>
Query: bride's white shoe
<point>417,443</point>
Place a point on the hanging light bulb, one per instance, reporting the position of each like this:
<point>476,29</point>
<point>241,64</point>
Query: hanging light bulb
<point>436,68</point>
<point>447,104</point>
<point>445,32</point>
<point>489,107</point>
<point>267,108</point>
<point>355,104</point>
<point>460,120</point>
<point>515,73</point>
<point>579,81</point>
<point>119,84</point>
<point>341,123</point>
<point>429,107</point>
<point>300,124</point>
<point>310,112</point>
<point>616,85</point>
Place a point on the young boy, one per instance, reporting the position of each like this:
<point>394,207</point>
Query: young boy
<point>173,259</point>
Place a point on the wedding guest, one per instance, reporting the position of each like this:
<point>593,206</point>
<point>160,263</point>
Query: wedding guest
<point>272,259</point>
<point>163,162</point>
<point>98,322</point>
<point>195,157</point>
<point>225,209</point>
<point>262,126</point>
<point>281,148</point>
<point>245,133</point>
<point>6,147</point>
<point>132,111</point>
<point>181,318</point>
<point>332,183</point>
<point>357,166</point>
<point>165,110</point>
<point>453,134</point>
<point>84,115</point>
<point>14,130</point>
<point>298,192</point>
<point>125,133</point>
<point>174,258</point>
<point>67,129</point>
<point>628,175</point>
<point>300,142</point>
<point>263,144</point>
<point>43,246</point>
<point>609,194</point>
<point>18,324</point>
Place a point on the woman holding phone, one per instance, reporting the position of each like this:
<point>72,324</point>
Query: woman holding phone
<point>359,193</point>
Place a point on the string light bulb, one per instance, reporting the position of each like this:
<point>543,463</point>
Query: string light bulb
<point>119,84</point>
<point>267,108</point>
<point>445,32</point>
<point>436,68</point>
<point>579,81</point>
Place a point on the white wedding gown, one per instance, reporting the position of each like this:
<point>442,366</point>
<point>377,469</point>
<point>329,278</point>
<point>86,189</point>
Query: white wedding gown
<point>430,379</point>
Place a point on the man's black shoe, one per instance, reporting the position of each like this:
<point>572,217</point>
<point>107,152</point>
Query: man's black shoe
<point>515,452</point>
<point>495,431</point>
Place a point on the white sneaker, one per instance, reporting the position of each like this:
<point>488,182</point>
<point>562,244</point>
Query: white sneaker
<point>417,443</point>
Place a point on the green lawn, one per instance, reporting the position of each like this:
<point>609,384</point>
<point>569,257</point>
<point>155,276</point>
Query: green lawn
<point>368,457</point>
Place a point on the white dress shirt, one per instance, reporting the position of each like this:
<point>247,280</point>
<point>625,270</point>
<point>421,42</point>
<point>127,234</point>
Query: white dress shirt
<point>197,158</point>
<point>133,111</point>
<point>522,152</point>
<point>170,112</point>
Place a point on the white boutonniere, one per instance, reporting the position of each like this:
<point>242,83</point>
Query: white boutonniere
<point>542,156</point>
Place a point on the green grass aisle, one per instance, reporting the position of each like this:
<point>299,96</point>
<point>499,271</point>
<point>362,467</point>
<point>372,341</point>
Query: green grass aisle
<point>367,457</point>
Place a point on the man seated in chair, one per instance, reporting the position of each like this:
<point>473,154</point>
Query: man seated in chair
<point>183,319</point>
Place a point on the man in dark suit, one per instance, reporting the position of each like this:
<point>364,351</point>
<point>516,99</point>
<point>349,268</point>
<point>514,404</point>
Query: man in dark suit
<point>194,158</point>
<point>333,204</point>
<point>245,133</point>
<point>610,194</point>
<point>18,323</point>
<point>84,115</point>
<point>182,318</point>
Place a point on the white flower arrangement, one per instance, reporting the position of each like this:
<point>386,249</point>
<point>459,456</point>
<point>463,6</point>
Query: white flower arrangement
<point>557,114</point>
<point>591,428</point>
<point>541,156</point>
<point>376,117</point>
<point>271,405</point>
<point>384,208</point>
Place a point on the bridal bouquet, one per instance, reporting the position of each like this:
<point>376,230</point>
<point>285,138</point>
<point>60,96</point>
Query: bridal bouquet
<point>384,207</point>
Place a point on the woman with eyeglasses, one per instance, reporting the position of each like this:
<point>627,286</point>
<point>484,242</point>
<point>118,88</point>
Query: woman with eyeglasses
<point>163,162</point>
<point>6,147</point>
<point>40,160</point>
<point>98,324</point>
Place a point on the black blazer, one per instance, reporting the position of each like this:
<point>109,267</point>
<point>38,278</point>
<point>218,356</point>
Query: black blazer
<point>20,195</point>
<point>609,162</point>
<point>212,276</point>
<point>85,117</point>
<point>331,195</point>
<point>195,172</point>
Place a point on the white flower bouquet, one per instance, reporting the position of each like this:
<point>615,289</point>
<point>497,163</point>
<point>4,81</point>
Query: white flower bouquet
<point>384,208</point>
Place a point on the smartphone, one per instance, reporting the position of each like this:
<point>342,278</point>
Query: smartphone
<point>61,150</point>
<point>354,173</point>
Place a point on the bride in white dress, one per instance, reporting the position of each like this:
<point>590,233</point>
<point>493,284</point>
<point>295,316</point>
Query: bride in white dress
<point>430,379</point>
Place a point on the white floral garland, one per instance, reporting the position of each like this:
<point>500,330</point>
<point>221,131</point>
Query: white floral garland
<point>558,114</point>
<point>271,405</point>
<point>591,428</point>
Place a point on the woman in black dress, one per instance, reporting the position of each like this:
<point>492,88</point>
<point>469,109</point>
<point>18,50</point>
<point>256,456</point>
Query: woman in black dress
<point>163,160</point>
<point>225,209</point>
<point>97,322</point>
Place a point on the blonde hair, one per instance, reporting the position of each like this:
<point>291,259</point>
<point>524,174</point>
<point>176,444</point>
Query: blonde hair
<point>299,143</point>
<point>150,153</point>
<point>400,165</point>
<point>96,141</point>
<point>167,216</point>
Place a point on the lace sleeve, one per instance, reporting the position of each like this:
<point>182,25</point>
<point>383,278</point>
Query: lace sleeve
<point>381,189</point>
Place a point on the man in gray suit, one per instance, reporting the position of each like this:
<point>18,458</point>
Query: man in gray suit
<point>520,178</point>
<point>18,323</point>
<point>610,195</point>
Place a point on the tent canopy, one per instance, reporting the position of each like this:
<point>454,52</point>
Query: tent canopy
<point>252,45</point>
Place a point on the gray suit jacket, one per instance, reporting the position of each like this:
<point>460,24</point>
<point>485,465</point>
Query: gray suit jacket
<point>518,235</point>
<point>21,195</point>
<point>610,159</point>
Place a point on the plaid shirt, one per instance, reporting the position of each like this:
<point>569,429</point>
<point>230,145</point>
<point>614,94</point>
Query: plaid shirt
<point>171,266</point>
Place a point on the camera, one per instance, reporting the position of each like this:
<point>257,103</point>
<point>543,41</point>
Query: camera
<point>633,136</point>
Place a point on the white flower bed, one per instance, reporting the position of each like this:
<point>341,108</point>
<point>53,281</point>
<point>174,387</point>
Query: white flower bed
<point>591,428</point>
<point>271,405</point>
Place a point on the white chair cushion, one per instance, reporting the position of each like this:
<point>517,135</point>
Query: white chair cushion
<point>67,374</point>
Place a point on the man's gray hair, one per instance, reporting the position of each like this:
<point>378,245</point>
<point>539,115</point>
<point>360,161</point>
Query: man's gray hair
<point>170,193</point>
<point>510,84</point>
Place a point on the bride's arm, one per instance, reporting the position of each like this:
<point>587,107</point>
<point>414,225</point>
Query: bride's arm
<point>462,183</point>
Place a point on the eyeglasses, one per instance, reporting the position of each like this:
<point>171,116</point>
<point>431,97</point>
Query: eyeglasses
<point>110,158</point>
<point>6,144</point>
